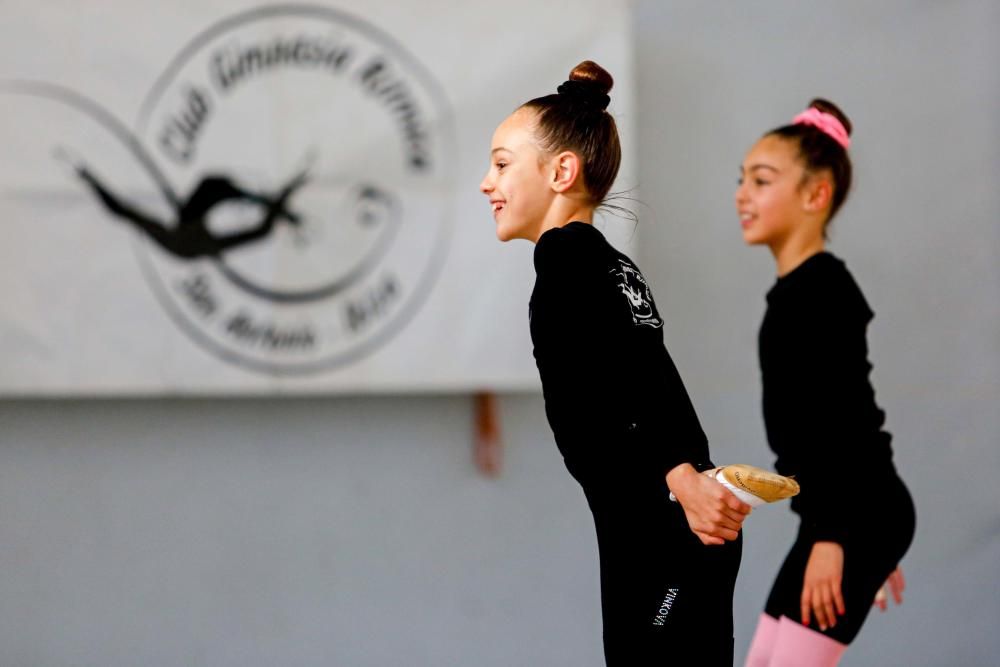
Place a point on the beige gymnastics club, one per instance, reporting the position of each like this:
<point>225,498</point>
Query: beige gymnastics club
<point>756,486</point>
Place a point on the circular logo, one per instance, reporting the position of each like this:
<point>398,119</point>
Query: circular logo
<point>306,162</point>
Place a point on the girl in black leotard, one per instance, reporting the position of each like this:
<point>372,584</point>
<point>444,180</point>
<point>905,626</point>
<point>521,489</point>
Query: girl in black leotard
<point>857,518</point>
<point>616,404</point>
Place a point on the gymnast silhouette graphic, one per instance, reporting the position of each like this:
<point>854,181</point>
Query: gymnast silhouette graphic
<point>190,237</point>
<point>185,233</point>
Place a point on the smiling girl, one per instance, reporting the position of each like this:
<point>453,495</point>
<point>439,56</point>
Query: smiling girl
<point>857,517</point>
<point>616,404</point>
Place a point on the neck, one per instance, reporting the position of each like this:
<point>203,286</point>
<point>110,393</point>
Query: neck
<point>564,211</point>
<point>791,252</point>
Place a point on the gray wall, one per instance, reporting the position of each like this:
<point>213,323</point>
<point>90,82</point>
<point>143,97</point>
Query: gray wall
<point>288,532</point>
<point>920,234</point>
<point>355,532</point>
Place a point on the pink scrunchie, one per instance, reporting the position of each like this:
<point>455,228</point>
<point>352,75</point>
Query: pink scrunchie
<point>826,123</point>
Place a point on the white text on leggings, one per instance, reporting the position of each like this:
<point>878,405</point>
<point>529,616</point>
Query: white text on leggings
<point>668,602</point>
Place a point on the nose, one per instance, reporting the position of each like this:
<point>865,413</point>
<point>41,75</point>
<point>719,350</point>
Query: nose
<point>740,194</point>
<point>486,187</point>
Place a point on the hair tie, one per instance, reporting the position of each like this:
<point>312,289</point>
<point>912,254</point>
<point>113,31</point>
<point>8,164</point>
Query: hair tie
<point>588,94</point>
<point>826,123</point>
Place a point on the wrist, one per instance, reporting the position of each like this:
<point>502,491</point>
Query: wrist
<point>678,475</point>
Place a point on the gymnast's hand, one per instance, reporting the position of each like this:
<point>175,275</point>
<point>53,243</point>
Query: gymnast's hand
<point>821,591</point>
<point>896,584</point>
<point>713,513</point>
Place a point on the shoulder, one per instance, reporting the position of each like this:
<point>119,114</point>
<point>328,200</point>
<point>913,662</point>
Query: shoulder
<point>575,248</point>
<point>840,288</point>
<point>824,288</point>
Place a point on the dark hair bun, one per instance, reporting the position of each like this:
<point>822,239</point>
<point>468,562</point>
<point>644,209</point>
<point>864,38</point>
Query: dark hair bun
<point>826,106</point>
<point>588,85</point>
<point>590,71</point>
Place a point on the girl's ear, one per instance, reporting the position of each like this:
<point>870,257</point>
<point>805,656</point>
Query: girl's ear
<point>565,172</point>
<point>817,193</point>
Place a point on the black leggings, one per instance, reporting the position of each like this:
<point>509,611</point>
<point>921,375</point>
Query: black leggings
<point>666,598</point>
<point>880,533</point>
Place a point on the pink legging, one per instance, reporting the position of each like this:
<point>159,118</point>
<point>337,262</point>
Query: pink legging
<point>785,643</point>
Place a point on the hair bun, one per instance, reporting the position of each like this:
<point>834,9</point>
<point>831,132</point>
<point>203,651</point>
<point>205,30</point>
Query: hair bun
<point>588,85</point>
<point>826,106</point>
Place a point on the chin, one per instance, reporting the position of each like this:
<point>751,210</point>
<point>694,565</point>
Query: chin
<point>508,232</point>
<point>750,238</point>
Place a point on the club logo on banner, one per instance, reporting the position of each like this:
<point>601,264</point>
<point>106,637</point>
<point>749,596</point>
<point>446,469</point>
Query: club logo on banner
<point>298,162</point>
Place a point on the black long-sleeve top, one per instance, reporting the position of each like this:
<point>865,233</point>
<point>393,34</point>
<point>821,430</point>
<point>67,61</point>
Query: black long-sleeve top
<point>819,405</point>
<point>613,397</point>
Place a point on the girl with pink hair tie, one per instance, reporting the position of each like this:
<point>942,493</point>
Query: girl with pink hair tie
<point>820,412</point>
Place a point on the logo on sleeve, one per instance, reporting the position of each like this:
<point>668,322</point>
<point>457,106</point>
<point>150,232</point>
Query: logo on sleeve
<point>633,286</point>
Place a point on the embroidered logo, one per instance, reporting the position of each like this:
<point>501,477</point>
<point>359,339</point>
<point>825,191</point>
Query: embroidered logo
<point>668,602</point>
<point>636,292</point>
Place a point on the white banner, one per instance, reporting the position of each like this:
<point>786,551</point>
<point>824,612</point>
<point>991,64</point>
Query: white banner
<point>277,198</point>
